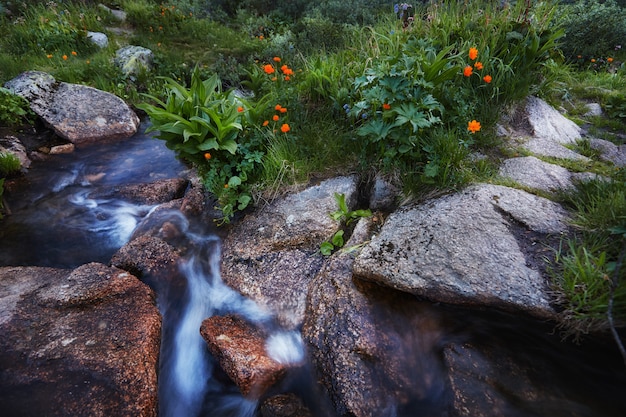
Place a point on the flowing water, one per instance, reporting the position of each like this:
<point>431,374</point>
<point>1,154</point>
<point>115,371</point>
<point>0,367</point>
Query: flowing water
<point>56,223</point>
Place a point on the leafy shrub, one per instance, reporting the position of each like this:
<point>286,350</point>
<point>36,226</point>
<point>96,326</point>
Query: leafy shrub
<point>14,110</point>
<point>211,129</point>
<point>593,29</point>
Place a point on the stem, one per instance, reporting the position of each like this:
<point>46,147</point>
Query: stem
<point>614,282</point>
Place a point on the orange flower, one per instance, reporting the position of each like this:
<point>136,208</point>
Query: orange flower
<point>467,71</point>
<point>49,56</point>
<point>266,122</point>
<point>274,79</point>
<point>487,78</point>
<point>239,109</point>
<point>207,156</point>
<point>580,56</point>
<point>593,60</point>
<point>276,59</point>
<point>74,53</point>
<point>473,126</point>
<point>275,118</point>
<point>268,69</point>
<point>278,107</point>
<point>283,110</point>
<point>473,53</point>
<point>285,128</point>
<point>261,37</point>
<point>287,78</point>
<point>609,60</point>
<point>478,65</point>
<point>386,106</point>
<point>225,185</point>
<point>64,57</point>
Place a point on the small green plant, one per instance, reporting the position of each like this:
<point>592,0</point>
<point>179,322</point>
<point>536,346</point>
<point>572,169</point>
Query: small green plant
<point>14,110</point>
<point>9,164</point>
<point>327,248</point>
<point>346,216</point>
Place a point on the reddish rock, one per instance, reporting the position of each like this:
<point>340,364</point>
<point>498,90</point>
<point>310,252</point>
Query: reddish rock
<point>156,192</point>
<point>77,343</point>
<point>240,349</point>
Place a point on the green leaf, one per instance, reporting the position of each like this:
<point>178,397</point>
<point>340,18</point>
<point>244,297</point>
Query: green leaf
<point>337,239</point>
<point>326,248</point>
<point>234,181</point>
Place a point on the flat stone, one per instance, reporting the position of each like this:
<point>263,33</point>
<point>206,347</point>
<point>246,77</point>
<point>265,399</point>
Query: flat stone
<point>534,173</point>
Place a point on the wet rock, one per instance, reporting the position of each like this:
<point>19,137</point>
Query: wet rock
<point>272,255</point>
<point>12,145</point>
<point>77,113</point>
<point>371,347</point>
<point>62,149</point>
<point>81,342</point>
<point>133,60</point>
<point>240,349</point>
<point>147,255</point>
<point>461,249</point>
<point>160,191</point>
<point>534,173</point>
<point>284,405</point>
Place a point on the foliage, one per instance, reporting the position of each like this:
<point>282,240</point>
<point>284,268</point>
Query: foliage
<point>50,29</point>
<point>208,127</point>
<point>9,164</point>
<point>346,216</point>
<point>593,30</point>
<point>14,110</point>
<point>588,263</point>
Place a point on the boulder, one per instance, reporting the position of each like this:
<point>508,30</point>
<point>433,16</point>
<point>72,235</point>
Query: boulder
<point>372,348</point>
<point>77,343</point>
<point>98,38</point>
<point>284,405</point>
<point>466,249</point>
<point>77,113</point>
<point>535,173</point>
<point>133,60</point>
<point>610,152</point>
<point>272,255</point>
<point>240,349</point>
<point>539,128</point>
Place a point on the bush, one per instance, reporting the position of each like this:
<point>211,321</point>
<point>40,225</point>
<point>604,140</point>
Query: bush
<point>593,29</point>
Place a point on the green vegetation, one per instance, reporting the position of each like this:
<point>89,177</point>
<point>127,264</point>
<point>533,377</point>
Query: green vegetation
<point>14,110</point>
<point>260,95</point>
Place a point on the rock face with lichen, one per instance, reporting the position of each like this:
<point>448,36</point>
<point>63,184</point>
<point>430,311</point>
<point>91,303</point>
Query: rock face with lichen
<point>81,342</point>
<point>77,113</point>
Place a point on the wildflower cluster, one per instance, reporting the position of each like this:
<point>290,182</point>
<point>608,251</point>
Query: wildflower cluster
<point>473,69</point>
<point>279,111</point>
<point>285,71</point>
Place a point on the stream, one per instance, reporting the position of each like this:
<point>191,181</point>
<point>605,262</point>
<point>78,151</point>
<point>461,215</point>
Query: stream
<point>55,223</point>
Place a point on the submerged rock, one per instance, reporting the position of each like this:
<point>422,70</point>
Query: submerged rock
<point>81,342</point>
